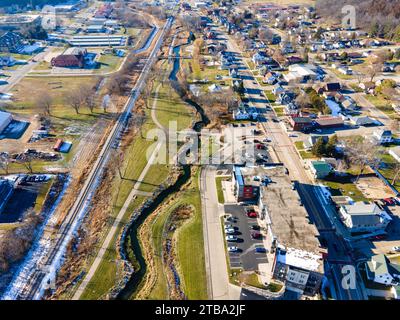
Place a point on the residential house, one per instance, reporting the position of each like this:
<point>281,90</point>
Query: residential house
<point>292,110</point>
<point>278,89</point>
<point>286,97</point>
<point>11,42</point>
<point>312,139</point>
<point>345,70</point>
<point>367,218</point>
<point>382,136</point>
<point>362,121</point>
<point>368,87</point>
<point>320,169</point>
<point>333,87</point>
<point>379,269</point>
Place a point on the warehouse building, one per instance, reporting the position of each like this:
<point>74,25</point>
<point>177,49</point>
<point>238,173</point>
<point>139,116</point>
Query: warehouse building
<point>6,191</point>
<point>98,41</point>
<point>5,119</point>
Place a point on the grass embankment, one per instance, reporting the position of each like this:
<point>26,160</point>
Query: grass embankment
<point>389,169</point>
<point>344,186</point>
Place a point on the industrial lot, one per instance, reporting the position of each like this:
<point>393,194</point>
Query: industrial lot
<point>105,109</point>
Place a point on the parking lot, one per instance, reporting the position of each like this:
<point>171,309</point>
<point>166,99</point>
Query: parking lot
<point>246,257</point>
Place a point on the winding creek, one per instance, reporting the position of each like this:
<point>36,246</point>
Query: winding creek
<point>131,242</point>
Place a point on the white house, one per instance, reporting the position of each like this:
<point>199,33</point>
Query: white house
<point>382,136</point>
<point>364,217</point>
<point>380,270</point>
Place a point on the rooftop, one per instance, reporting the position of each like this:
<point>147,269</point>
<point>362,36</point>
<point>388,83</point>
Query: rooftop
<point>287,219</point>
<point>362,208</point>
<point>300,259</point>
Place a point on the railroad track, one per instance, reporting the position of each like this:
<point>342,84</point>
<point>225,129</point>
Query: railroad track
<point>33,287</point>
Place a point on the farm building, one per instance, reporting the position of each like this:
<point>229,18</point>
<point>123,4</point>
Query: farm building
<point>72,57</point>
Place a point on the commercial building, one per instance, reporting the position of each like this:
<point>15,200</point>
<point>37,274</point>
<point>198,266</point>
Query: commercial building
<point>298,259</point>
<point>5,119</point>
<point>19,21</point>
<point>301,271</point>
<point>329,122</point>
<point>300,123</point>
<point>246,183</point>
<point>364,218</point>
<point>301,73</point>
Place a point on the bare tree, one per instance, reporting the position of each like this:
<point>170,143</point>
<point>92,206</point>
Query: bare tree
<point>5,162</point>
<point>75,99</point>
<point>362,152</point>
<point>44,101</point>
<point>26,161</point>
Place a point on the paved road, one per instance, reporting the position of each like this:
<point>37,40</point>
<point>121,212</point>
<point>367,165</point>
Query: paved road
<point>219,287</point>
<point>287,154</point>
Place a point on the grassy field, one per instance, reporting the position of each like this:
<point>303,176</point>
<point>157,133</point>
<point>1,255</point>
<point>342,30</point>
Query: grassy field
<point>345,186</point>
<point>108,63</point>
<point>299,145</point>
<point>383,105</point>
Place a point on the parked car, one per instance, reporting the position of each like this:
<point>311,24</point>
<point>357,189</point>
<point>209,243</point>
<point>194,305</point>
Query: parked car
<point>230,231</point>
<point>252,214</point>
<point>256,235</point>
<point>261,250</point>
<point>231,238</point>
<point>389,201</point>
<point>396,248</point>
<point>228,226</point>
<point>255,227</point>
<point>233,249</point>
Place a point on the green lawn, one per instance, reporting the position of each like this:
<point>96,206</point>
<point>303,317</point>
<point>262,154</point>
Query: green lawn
<point>383,105</point>
<point>220,192</point>
<point>279,111</point>
<point>306,155</point>
<point>344,186</point>
<point>299,145</point>
<point>108,63</point>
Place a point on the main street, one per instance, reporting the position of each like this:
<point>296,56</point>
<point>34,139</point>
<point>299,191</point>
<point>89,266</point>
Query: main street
<point>338,251</point>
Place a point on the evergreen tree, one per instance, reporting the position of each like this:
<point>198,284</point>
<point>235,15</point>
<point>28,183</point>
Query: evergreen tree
<point>319,148</point>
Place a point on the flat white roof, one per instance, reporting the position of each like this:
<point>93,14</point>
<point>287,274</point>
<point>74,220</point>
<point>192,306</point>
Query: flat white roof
<point>300,259</point>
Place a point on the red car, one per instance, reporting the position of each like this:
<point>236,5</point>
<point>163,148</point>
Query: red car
<point>252,214</point>
<point>256,235</point>
<point>389,201</point>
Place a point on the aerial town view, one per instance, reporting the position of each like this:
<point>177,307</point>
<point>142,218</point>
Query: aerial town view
<point>200,150</point>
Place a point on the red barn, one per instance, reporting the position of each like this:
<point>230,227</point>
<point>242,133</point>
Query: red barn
<point>71,58</point>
